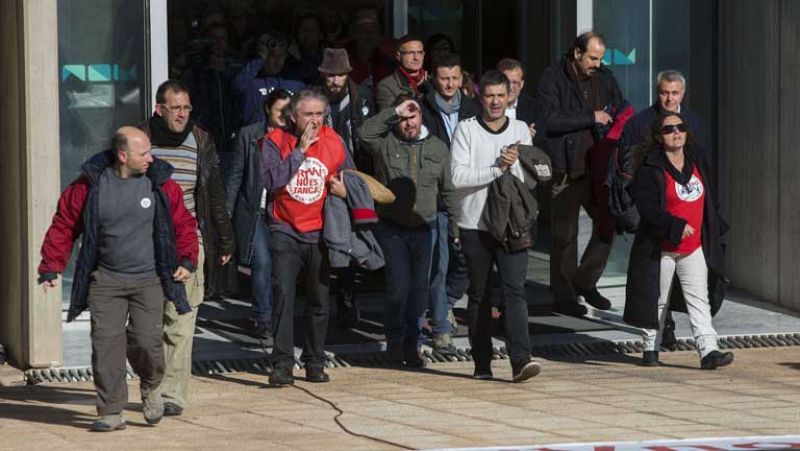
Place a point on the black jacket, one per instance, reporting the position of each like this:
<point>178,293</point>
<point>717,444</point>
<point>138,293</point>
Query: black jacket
<point>644,267</point>
<point>209,197</point>
<point>164,238</point>
<point>360,108</point>
<point>432,118</point>
<point>565,113</point>
<point>244,188</point>
<point>510,212</point>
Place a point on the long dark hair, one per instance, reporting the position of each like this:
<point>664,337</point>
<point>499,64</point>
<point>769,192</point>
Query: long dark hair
<point>655,141</point>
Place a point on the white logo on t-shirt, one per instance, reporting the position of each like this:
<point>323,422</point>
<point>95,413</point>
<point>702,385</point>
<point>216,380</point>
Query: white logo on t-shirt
<point>308,183</point>
<point>145,202</point>
<point>691,192</point>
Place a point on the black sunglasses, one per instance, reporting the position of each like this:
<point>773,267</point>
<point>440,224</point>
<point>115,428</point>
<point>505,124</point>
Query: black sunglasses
<point>670,129</point>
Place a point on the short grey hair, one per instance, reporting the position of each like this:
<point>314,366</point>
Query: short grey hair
<point>304,95</point>
<point>669,76</point>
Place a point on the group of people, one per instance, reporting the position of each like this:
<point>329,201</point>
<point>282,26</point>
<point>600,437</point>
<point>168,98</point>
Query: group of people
<point>305,198</point>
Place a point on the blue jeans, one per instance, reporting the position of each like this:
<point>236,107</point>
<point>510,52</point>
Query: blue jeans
<point>261,273</point>
<point>408,254</point>
<point>449,280</point>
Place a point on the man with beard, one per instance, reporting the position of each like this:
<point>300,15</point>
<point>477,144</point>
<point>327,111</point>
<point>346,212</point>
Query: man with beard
<point>409,75</point>
<point>577,94</point>
<point>191,150</point>
<point>415,165</point>
<point>349,106</point>
<point>443,107</point>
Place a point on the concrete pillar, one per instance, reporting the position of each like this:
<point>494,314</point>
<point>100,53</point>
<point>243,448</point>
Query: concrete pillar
<point>30,320</point>
<point>759,130</point>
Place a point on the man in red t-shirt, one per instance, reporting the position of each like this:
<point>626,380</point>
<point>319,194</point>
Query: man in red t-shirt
<point>301,167</point>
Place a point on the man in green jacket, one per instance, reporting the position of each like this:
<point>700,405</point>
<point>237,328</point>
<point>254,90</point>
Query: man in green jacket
<point>416,166</point>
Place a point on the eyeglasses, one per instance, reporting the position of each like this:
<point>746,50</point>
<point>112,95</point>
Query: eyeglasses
<point>177,108</point>
<point>670,129</point>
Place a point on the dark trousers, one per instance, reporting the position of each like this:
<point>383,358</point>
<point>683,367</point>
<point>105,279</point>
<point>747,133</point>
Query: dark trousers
<point>408,253</point>
<point>483,252</point>
<point>113,301</point>
<point>289,258</point>
<point>261,272</point>
<point>565,274</point>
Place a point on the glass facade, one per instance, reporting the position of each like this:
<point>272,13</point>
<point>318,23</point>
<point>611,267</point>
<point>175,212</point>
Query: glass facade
<point>103,71</point>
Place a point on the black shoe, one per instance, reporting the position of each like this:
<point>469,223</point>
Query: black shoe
<point>281,377</point>
<point>317,375</point>
<point>172,410</point>
<point>595,299</point>
<point>413,359</point>
<point>650,358</point>
<point>569,308</point>
<point>259,329</point>
<point>524,370</point>
<point>716,359</point>
<point>483,372</point>
<point>668,340</point>
<point>394,353</point>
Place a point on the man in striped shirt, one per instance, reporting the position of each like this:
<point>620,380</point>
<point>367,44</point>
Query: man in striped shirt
<point>191,150</point>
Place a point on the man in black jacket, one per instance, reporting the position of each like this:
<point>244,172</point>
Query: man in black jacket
<point>443,107</point>
<point>349,106</point>
<point>520,105</point>
<point>577,94</point>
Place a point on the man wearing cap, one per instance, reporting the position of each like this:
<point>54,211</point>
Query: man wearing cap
<point>349,106</point>
<point>415,165</point>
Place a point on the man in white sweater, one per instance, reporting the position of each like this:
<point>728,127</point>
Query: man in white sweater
<point>483,148</point>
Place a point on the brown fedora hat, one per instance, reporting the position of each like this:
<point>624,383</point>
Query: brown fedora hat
<point>335,62</point>
<point>379,192</point>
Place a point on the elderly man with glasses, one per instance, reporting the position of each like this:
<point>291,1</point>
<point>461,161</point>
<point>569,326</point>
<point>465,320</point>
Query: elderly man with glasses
<point>192,153</point>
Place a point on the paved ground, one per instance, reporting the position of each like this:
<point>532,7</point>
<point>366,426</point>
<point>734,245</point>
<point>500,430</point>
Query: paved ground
<point>571,401</point>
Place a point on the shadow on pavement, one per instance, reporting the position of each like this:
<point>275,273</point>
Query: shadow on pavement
<point>20,403</point>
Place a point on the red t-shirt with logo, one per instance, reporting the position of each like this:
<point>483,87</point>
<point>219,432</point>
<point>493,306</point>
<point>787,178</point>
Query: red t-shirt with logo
<point>686,202</point>
<point>301,201</point>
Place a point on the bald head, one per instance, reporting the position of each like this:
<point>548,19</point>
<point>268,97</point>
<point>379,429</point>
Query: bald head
<point>132,148</point>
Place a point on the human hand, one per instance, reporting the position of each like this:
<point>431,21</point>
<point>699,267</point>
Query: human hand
<point>407,109</point>
<point>337,187</point>
<point>48,284</point>
<point>309,137</point>
<point>508,156</point>
<point>687,231</point>
<point>224,259</point>
<point>601,117</point>
<point>182,275</point>
<point>532,129</point>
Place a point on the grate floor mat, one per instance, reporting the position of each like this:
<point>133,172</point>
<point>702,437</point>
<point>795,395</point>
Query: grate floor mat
<point>547,351</point>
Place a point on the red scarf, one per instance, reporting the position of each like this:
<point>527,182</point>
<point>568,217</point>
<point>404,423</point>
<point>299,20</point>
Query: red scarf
<point>413,79</point>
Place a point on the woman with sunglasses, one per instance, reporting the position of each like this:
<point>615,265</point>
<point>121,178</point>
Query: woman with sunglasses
<point>677,256</point>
